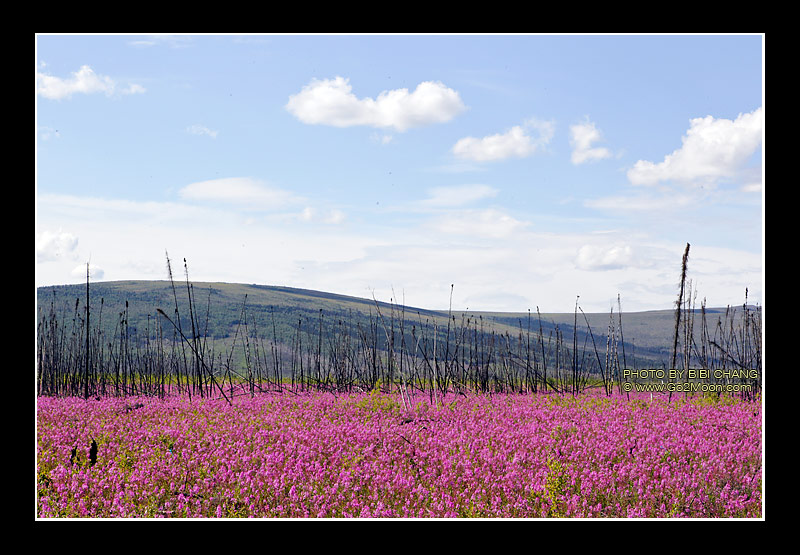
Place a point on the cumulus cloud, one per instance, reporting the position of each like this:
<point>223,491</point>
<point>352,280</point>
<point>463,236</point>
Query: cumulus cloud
<point>52,246</point>
<point>198,129</point>
<point>595,257</point>
<point>457,195</point>
<point>581,137</point>
<point>712,149</point>
<point>246,192</point>
<point>517,142</point>
<point>83,81</point>
<point>332,102</point>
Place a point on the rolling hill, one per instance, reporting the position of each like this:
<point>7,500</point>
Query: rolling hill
<point>276,313</point>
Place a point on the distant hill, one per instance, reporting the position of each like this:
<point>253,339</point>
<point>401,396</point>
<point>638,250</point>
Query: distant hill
<point>276,313</point>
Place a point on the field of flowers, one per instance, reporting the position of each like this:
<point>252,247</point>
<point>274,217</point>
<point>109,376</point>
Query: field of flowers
<point>322,455</point>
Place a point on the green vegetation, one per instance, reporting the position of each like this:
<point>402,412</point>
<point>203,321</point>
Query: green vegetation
<point>275,312</point>
<point>146,336</point>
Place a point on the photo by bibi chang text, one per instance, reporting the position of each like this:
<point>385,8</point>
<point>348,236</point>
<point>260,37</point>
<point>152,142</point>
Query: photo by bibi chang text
<point>690,374</point>
<point>688,380</point>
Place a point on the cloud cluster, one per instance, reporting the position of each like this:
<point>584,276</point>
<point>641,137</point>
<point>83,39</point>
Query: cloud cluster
<point>419,261</point>
<point>581,137</point>
<point>332,102</point>
<point>712,149</point>
<point>83,81</point>
<point>484,247</point>
<point>517,142</point>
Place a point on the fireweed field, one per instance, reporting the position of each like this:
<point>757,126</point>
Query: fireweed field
<point>319,455</point>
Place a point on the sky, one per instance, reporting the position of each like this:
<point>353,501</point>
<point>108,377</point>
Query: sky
<point>482,172</point>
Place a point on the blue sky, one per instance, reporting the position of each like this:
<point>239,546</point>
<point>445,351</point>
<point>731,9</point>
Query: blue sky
<point>525,170</point>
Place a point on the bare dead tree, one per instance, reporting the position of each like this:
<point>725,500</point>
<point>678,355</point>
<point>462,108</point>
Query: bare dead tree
<point>678,309</point>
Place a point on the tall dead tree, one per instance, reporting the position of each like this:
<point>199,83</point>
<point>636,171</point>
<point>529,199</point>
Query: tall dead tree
<point>678,307</point>
<point>86,368</point>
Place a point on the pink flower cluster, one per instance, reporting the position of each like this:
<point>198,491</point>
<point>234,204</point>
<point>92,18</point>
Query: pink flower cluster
<point>369,456</point>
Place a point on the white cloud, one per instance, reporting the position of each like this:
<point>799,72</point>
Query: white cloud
<point>134,89</point>
<point>198,129</point>
<point>582,137</point>
<point>131,237</point>
<point>94,272</point>
<point>80,208</point>
<point>83,81</point>
<point>644,203</point>
<point>245,192</point>
<point>595,257</point>
<point>144,42</point>
<point>331,102</point>
<point>417,261</point>
<point>489,223</point>
<point>51,246</point>
<point>331,217</point>
<point>712,149</point>
<point>529,269</point>
<point>516,142</point>
<point>458,195</point>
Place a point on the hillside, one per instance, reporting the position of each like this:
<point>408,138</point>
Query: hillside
<point>276,313</point>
